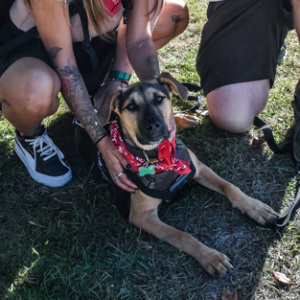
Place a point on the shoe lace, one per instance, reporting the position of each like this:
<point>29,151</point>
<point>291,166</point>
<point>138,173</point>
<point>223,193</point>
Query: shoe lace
<point>45,147</point>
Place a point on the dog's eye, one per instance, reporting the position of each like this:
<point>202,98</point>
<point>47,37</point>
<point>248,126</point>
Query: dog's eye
<point>160,98</point>
<point>132,107</point>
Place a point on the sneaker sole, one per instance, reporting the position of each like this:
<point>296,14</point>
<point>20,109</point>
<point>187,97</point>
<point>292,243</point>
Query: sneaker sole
<point>51,181</point>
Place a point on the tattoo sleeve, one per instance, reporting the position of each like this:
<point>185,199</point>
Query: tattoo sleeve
<point>77,97</point>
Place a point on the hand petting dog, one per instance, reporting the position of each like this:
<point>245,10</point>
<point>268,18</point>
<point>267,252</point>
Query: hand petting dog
<point>116,163</point>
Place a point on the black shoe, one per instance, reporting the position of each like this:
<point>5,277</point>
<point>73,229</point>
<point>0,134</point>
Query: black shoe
<point>44,161</point>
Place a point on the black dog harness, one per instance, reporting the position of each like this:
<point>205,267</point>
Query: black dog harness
<point>164,185</point>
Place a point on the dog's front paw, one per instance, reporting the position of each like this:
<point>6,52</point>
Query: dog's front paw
<point>262,213</point>
<point>215,262</point>
<point>184,121</point>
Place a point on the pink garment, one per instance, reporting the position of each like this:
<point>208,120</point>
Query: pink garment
<point>112,5</point>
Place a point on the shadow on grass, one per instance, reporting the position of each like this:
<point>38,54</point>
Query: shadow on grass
<point>71,242</point>
<point>260,174</point>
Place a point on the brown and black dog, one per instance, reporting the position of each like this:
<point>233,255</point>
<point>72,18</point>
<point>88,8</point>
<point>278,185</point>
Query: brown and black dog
<point>145,120</point>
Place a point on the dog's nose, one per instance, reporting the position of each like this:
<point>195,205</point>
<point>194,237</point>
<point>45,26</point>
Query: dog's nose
<point>153,125</point>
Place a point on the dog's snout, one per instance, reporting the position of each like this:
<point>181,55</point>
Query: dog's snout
<point>153,125</point>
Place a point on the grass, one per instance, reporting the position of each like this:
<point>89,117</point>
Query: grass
<point>72,243</point>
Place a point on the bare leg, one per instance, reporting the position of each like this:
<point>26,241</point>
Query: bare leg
<point>28,94</point>
<point>172,20</point>
<point>28,90</point>
<point>233,107</point>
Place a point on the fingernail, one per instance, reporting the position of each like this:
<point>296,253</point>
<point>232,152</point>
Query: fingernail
<point>128,166</point>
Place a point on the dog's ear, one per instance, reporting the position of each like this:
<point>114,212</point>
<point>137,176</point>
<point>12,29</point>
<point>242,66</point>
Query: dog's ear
<point>173,84</point>
<point>109,105</point>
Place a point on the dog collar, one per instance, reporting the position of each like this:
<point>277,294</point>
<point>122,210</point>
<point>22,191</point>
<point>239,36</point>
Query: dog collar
<point>166,159</point>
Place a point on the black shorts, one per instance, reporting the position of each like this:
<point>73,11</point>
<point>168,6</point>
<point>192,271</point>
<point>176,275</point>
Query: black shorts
<point>34,48</point>
<point>241,41</point>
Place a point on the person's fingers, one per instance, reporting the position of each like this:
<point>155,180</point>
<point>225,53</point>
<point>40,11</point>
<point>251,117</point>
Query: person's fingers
<point>116,170</point>
<point>124,183</point>
<point>116,163</point>
<point>124,180</point>
<point>118,175</point>
<point>122,159</point>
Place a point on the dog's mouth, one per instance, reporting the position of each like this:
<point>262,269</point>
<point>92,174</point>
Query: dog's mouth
<point>152,142</point>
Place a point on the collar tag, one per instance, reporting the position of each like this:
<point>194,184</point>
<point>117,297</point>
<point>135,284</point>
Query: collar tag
<point>146,170</point>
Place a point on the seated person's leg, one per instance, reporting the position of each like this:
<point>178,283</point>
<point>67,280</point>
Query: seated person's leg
<point>34,99</point>
<point>172,20</point>
<point>232,107</point>
<point>28,94</point>
<point>237,59</point>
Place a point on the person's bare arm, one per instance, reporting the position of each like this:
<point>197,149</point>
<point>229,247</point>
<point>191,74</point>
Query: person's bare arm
<point>121,60</point>
<point>140,47</point>
<point>120,63</point>
<point>52,21</point>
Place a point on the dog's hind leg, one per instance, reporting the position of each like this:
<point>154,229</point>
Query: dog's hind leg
<point>143,214</point>
<point>257,210</point>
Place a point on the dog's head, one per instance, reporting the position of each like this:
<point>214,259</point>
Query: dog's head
<point>145,111</point>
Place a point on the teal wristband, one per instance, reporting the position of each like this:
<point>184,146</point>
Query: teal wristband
<point>119,75</point>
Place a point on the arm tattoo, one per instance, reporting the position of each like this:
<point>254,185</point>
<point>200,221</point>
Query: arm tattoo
<point>76,95</point>
<point>177,18</point>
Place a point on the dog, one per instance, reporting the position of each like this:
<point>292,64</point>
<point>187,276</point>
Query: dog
<point>143,129</point>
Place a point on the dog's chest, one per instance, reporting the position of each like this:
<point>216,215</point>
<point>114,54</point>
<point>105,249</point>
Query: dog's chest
<point>163,180</point>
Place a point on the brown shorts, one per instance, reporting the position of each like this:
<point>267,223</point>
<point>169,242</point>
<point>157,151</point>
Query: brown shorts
<point>241,41</point>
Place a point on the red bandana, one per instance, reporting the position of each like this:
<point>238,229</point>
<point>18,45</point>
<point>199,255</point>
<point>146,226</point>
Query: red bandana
<point>166,151</point>
<point>112,5</point>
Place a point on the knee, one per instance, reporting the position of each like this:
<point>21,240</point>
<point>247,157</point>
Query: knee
<point>235,119</point>
<point>41,94</point>
<point>234,124</point>
<point>185,14</point>
<point>172,21</point>
<point>180,17</point>
<point>232,118</point>
<point>233,107</point>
